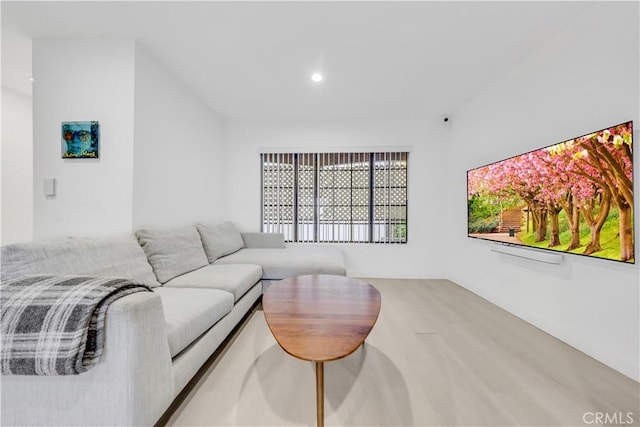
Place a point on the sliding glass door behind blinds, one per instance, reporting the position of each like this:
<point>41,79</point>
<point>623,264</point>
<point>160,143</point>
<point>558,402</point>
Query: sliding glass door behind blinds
<point>335,197</point>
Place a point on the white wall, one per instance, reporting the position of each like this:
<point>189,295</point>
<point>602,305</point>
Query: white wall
<point>17,168</point>
<point>83,80</point>
<point>580,81</point>
<point>160,149</point>
<point>178,153</point>
<point>422,256</point>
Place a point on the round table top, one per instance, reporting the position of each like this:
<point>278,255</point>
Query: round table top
<point>320,317</point>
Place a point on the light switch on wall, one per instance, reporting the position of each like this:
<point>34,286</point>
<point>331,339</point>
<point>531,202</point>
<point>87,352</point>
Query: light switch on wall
<point>49,187</point>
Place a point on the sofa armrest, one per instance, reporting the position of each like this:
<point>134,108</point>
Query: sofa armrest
<point>263,240</point>
<point>132,383</point>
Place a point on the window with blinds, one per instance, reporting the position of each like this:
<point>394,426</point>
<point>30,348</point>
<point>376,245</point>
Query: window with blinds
<point>335,197</point>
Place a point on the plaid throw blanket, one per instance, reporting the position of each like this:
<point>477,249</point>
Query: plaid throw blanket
<point>54,325</point>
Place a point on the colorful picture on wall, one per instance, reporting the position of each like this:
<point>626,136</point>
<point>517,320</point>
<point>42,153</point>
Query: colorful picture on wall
<point>80,140</point>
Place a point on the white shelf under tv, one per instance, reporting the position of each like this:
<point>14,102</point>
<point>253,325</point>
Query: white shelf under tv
<point>546,257</point>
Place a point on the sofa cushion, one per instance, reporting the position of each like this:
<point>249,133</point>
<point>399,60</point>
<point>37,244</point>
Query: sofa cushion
<point>81,256</point>
<point>291,261</point>
<point>220,240</point>
<point>172,251</point>
<point>234,278</point>
<point>263,240</point>
<point>189,313</point>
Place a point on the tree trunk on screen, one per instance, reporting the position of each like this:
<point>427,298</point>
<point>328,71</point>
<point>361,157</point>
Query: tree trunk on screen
<point>541,226</point>
<point>574,226</point>
<point>626,232</point>
<point>573,216</point>
<point>554,238</point>
<point>534,217</point>
<point>596,223</point>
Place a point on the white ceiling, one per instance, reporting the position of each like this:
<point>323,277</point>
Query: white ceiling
<point>253,60</point>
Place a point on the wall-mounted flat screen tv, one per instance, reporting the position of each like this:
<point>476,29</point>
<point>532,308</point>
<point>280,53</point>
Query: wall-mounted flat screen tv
<point>575,197</point>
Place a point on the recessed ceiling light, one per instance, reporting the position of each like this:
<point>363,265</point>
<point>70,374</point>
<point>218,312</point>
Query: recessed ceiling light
<point>316,77</point>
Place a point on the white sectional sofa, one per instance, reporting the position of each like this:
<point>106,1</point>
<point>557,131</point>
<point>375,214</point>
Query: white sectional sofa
<point>205,279</point>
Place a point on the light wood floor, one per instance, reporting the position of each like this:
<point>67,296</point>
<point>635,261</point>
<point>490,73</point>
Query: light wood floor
<point>438,356</point>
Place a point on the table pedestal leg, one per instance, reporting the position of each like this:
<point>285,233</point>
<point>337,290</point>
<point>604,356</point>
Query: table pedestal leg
<point>320,393</point>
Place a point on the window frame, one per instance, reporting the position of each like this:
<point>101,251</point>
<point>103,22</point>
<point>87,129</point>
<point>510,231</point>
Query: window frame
<point>390,229</point>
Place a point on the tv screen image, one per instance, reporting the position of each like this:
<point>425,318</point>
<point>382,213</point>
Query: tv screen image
<point>575,196</point>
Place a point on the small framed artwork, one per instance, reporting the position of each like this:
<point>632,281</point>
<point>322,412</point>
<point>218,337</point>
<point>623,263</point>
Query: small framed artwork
<point>80,140</point>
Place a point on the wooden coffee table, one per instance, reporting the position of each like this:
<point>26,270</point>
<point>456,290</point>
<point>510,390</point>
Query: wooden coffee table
<point>320,318</point>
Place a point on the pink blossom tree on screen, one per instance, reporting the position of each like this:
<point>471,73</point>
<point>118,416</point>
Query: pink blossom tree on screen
<point>609,156</point>
<point>585,196</point>
<point>564,190</point>
<point>513,177</point>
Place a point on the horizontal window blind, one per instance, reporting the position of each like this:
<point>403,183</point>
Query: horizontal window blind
<point>335,197</point>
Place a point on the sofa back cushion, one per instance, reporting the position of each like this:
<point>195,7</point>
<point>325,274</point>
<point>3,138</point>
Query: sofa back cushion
<point>220,240</point>
<point>116,257</point>
<point>172,251</point>
<point>263,240</point>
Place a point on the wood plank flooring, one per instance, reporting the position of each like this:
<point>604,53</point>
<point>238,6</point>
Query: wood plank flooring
<point>438,356</point>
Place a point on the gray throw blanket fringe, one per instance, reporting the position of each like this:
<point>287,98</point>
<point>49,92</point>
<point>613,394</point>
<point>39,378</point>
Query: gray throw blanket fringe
<point>54,325</point>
